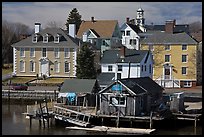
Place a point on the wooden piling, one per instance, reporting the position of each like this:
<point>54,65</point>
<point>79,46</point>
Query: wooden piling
<point>151,120</point>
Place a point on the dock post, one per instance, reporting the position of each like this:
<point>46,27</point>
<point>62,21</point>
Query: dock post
<point>102,121</point>
<point>40,124</point>
<point>30,121</point>
<point>195,125</point>
<point>130,122</point>
<point>151,120</point>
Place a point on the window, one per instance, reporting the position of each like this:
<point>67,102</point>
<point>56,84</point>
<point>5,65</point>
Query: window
<point>184,70</point>
<point>184,47</point>
<point>66,67</point>
<point>184,58</point>
<point>32,52</point>
<point>128,33</point>
<point>117,101</point>
<point>56,52</point>
<point>167,58</point>
<point>167,47</point>
<point>56,67</point>
<point>34,38</point>
<point>44,52</point>
<point>32,66</point>
<point>150,68</point>
<point>120,68</point>
<point>110,68</point>
<point>187,83</point>
<point>22,52</point>
<point>66,52</point>
<point>104,42</point>
<point>45,38</point>
<point>133,42</point>
<point>145,68</point>
<point>22,66</point>
<point>56,39</point>
<point>142,68</point>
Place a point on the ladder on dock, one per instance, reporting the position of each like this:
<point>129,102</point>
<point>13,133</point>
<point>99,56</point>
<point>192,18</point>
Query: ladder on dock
<point>71,116</point>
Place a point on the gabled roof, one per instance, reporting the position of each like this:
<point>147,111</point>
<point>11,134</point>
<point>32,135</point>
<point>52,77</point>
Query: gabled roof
<point>104,28</point>
<point>135,28</point>
<point>78,85</point>
<point>167,38</point>
<point>106,78</point>
<point>137,86</point>
<point>131,55</point>
<point>66,40</point>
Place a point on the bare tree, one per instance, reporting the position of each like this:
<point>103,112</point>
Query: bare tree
<point>195,26</point>
<point>53,24</point>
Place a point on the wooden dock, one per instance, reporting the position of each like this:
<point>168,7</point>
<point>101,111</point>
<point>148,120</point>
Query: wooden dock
<point>110,130</point>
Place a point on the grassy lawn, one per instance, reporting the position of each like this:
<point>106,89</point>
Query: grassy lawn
<point>54,80</point>
<point>7,68</point>
<point>18,80</point>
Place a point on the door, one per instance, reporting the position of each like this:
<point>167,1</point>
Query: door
<point>44,67</point>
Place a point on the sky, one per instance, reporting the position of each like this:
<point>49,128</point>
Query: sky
<point>154,12</point>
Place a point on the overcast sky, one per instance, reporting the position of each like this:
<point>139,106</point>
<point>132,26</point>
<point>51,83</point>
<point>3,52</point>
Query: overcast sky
<point>157,12</point>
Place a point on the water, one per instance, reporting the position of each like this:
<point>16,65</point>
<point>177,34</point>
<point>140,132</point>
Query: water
<point>15,123</point>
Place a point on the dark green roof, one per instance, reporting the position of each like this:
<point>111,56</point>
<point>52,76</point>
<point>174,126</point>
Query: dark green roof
<point>78,85</point>
<point>66,40</point>
<point>106,78</point>
<point>131,55</point>
<point>167,38</point>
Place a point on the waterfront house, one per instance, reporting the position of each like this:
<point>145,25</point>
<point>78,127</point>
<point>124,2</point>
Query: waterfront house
<point>174,56</point>
<point>124,63</point>
<point>105,34</point>
<point>130,97</point>
<point>79,92</point>
<point>50,52</point>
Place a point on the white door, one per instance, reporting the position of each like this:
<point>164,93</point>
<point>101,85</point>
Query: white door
<point>44,67</point>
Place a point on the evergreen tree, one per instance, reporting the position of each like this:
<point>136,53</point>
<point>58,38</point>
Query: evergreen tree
<point>85,63</point>
<point>74,18</point>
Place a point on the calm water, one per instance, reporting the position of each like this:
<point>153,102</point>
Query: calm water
<point>15,123</point>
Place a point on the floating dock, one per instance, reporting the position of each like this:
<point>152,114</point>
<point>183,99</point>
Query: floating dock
<point>110,130</point>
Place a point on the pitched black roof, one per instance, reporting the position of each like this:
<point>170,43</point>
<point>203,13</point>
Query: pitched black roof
<point>142,85</point>
<point>106,78</point>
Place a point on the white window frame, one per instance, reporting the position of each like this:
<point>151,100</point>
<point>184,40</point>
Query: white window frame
<point>56,51</point>
<point>32,54</point>
<point>187,83</point>
<point>169,58</point>
<point>169,47</point>
<point>22,68</point>
<point>32,69</point>
<point>110,67</point>
<point>65,66</point>
<point>45,38</point>
<point>56,39</point>
<point>127,32</point>
<point>56,67</point>
<point>35,38</point>
<point>182,58</point>
<point>45,52</point>
<point>66,53</point>
<point>182,70</point>
<point>22,51</point>
<point>119,101</point>
<point>186,47</point>
<point>121,67</point>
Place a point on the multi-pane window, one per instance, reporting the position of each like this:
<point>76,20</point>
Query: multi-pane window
<point>34,38</point>
<point>184,47</point>
<point>56,39</point>
<point>187,83</point>
<point>32,66</point>
<point>133,41</point>
<point>66,67</point>
<point>44,52</point>
<point>120,68</point>
<point>22,66</point>
<point>32,52</point>
<point>142,68</point>
<point>128,33</point>
<point>56,66</point>
<point>167,47</point>
<point>66,52</point>
<point>184,58</point>
<point>117,101</point>
<point>110,68</point>
<point>22,52</point>
<point>184,70</point>
<point>45,38</point>
<point>56,52</point>
<point>167,58</point>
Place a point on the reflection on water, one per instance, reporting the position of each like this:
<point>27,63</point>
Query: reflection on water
<point>15,123</point>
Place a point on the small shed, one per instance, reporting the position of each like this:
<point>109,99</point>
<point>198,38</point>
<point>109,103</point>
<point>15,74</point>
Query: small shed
<point>177,102</point>
<point>79,92</point>
<point>130,97</point>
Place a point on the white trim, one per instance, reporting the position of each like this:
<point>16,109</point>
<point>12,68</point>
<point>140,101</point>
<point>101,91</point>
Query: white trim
<point>22,66</point>
<point>14,60</point>
<point>35,38</point>
<point>186,70</point>
<point>33,52</point>
<point>45,38</point>
<point>169,47</point>
<point>58,66</point>
<point>186,58</point>
<point>58,53</point>
<point>118,105</point>
<point>33,65</point>
<point>23,52</point>
<point>67,52</point>
<point>68,66</point>
<point>42,52</point>
<point>182,47</point>
<point>56,38</point>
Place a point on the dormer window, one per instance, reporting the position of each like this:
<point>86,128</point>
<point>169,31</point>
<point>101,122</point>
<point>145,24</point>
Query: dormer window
<point>35,38</point>
<point>45,38</point>
<point>56,39</point>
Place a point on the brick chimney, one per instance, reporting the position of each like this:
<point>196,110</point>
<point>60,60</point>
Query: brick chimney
<point>122,52</point>
<point>169,26</point>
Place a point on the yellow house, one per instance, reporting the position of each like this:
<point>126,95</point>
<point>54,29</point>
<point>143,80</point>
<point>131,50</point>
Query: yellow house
<point>174,56</point>
<point>51,52</point>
